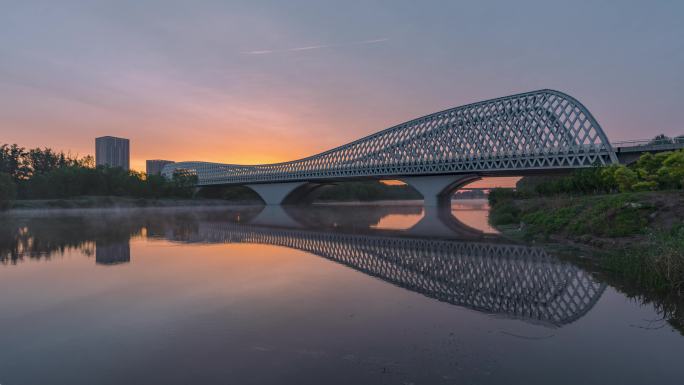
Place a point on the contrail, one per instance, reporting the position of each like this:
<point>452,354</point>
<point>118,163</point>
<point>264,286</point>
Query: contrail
<point>307,48</point>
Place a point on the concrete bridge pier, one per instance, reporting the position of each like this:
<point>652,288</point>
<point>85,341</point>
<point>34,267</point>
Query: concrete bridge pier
<point>275,216</point>
<point>283,193</point>
<point>275,193</point>
<point>438,221</point>
<point>436,189</point>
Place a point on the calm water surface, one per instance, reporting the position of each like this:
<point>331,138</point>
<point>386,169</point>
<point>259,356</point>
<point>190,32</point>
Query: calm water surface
<point>320,295</point>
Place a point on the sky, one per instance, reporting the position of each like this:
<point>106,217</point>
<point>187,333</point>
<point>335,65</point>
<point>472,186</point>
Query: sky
<point>263,81</point>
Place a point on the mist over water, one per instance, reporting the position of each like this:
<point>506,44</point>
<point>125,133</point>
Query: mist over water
<point>335,294</point>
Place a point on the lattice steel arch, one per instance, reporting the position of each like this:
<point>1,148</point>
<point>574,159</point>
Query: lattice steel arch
<point>537,130</point>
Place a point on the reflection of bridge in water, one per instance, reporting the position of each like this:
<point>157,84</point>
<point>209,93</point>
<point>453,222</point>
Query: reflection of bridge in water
<point>508,280</point>
<point>432,221</point>
<point>480,273</point>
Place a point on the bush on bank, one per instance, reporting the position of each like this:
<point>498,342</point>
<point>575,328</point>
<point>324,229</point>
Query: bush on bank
<point>652,172</point>
<point>611,216</point>
<point>663,171</point>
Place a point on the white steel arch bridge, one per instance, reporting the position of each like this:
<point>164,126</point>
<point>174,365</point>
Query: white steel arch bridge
<point>537,131</point>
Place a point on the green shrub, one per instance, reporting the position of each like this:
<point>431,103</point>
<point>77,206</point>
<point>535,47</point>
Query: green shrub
<point>645,186</point>
<point>625,178</point>
<point>499,194</point>
<point>604,216</point>
<point>671,173</point>
<point>664,170</point>
<point>504,213</point>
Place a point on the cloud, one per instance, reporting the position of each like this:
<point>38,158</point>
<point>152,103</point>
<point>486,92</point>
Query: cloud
<point>312,47</point>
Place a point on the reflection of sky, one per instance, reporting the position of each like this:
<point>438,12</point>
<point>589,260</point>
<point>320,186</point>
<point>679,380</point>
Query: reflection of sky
<point>473,213</point>
<point>243,82</point>
<point>397,221</point>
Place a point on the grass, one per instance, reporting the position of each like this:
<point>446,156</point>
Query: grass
<point>657,264</point>
<point>620,215</point>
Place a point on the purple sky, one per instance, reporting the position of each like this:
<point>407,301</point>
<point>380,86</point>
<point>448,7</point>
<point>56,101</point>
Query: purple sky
<point>263,81</point>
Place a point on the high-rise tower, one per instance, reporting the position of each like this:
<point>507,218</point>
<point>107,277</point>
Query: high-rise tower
<point>113,152</point>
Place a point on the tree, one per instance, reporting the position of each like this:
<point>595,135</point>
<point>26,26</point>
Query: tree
<point>184,183</point>
<point>86,162</point>
<point>157,186</point>
<point>13,162</point>
<point>8,190</point>
<point>648,163</point>
<point>610,184</point>
<point>625,178</point>
<point>671,173</point>
<point>43,161</point>
<point>587,181</point>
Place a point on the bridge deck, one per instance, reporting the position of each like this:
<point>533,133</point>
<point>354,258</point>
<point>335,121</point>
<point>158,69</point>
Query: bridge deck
<point>631,147</point>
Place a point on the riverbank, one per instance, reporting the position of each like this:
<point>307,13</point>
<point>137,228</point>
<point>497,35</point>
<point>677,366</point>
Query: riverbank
<point>639,235</point>
<point>88,202</point>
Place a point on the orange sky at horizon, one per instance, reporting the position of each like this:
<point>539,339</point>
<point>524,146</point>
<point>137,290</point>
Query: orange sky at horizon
<point>487,182</point>
<point>222,129</point>
<point>264,133</point>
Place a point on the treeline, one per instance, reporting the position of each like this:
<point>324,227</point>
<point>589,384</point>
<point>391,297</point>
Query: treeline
<point>366,191</point>
<point>47,174</point>
<point>662,171</point>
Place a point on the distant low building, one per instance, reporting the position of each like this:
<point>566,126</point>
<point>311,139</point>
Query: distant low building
<point>155,166</point>
<point>113,152</point>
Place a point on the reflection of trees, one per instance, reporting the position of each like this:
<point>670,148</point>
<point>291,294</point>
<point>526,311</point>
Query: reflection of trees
<point>45,236</point>
<point>112,253</point>
<point>42,238</point>
<point>670,306</point>
<point>347,217</point>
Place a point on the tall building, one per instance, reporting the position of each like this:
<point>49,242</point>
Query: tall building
<point>113,152</point>
<point>155,166</point>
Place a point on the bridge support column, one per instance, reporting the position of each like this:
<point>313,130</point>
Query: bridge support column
<point>436,189</point>
<point>275,193</point>
<point>275,216</point>
<point>438,221</point>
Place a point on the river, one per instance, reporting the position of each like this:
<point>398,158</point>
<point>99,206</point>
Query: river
<point>327,294</point>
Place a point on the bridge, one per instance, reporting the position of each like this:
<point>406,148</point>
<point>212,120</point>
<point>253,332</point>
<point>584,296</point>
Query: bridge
<point>535,132</point>
<point>510,281</point>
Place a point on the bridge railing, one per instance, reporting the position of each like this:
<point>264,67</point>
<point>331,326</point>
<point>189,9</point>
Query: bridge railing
<point>649,142</point>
